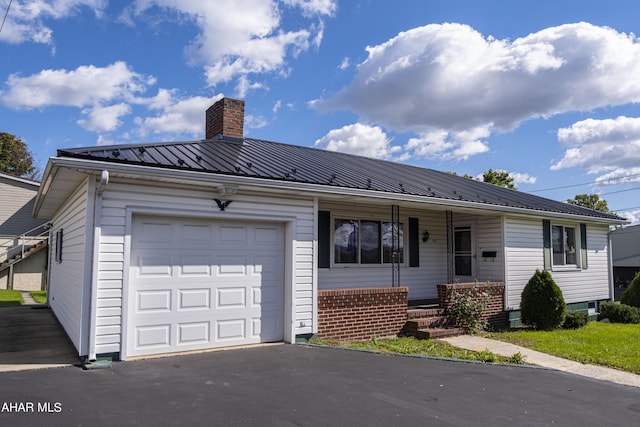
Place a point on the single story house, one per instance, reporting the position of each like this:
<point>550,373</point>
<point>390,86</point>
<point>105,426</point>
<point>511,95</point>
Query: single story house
<point>179,246</point>
<point>625,247</point>
<point>21,234</point>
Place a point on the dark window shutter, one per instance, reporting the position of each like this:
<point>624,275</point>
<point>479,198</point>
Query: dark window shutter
<point>324,239</point>
<point>583,245</point>
<point>414,243</point>
<point>546,241</point>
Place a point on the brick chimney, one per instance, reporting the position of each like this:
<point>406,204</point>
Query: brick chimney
<point>225,117</point>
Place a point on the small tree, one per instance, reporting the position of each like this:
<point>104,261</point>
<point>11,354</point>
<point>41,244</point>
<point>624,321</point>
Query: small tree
<point>15,159</point>
<point>498,177</point>
<point>631,295</point>
<point>542,304</point>
<point>591,201</point>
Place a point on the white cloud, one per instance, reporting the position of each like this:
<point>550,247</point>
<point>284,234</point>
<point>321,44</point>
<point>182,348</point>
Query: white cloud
<point>239,38</point>
<point>86,85</point>
<point>609,145</point>
<point>104,119</point>
<point>346,63</point>
<point>450,78</point>
<point>363,140</point>
<point>314,7</point>
<point>632,215</point>
<point>175,115</point>
<point>619,176</point>
<point>26,20</point>
<point>443,145</point>
<point>523,178</point>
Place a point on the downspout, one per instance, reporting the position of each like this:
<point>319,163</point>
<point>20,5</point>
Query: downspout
<point>97,214</point>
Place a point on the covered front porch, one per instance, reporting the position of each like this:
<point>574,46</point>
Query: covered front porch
<point>365,313</point>
<point>413,245</point>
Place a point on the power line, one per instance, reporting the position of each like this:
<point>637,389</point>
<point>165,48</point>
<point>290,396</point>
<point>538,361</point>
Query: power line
<point>5,15</point>
<point>620,191</point>
<point>586,183</point>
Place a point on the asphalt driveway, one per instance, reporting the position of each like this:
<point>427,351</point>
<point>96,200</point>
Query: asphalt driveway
<point>30,338</point>
<point>286,385</point>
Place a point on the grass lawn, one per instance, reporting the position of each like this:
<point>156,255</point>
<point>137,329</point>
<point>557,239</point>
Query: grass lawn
<point>10,297</point>
<point>614,345</point>
<point>414,346</point>
<point>39,296</point>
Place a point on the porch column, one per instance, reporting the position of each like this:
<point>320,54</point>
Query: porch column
<point>450,248</point>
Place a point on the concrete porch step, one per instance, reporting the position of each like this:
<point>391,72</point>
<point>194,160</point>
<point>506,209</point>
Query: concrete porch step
<point>434,333</point>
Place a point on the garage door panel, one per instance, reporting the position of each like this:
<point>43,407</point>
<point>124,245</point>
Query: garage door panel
<point>232,265</point>
<point>217,283</point>
<point>153,301</point>
<point>194,264</point>
<point>156,337</point>
<point>196,235</point>
<point>233,236</point>
<point>155,266</point>
<point>194,299</point>
<point>231,297</point>
<point>155,232</point>
<point>231,330</point>
<point>194,333</point>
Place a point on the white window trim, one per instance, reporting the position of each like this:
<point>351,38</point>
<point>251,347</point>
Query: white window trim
<point>568,267</point>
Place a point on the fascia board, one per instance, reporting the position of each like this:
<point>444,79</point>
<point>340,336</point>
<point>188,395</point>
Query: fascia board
<point>204,177</point>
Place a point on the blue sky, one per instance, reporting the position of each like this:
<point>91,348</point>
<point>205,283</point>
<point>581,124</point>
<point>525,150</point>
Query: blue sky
<point>545,90</point>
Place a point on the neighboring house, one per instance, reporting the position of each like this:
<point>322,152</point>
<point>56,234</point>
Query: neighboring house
<point>625,245</point>
<point>177,246</point>
<point>20,231</point>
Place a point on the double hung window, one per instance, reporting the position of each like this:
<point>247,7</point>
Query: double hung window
<point>563,243</point>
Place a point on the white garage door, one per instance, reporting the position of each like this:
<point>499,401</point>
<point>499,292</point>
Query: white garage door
<point>197,284</point>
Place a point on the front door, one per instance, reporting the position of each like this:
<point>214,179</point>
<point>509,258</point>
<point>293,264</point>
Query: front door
<point>463,254</point>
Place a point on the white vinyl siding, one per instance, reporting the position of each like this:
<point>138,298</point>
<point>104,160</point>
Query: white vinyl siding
<point>16,209</point>
<point>421,280</point>
<point>524,254</point>
<point>490,239</point>
<point>66,279</point>
<point>486,237</point>
<point>120,200</point>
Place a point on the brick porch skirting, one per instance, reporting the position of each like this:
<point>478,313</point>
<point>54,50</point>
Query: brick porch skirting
<point>494,315</point>
<point>360,314</point>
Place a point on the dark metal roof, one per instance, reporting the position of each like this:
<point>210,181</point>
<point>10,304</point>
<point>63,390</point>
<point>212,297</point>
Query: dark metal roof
<point>276,161</point>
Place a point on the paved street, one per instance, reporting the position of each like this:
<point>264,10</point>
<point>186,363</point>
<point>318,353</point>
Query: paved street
<point>285,385</point>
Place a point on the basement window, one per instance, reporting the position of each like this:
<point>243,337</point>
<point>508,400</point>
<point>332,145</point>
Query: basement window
<point>366,242</point>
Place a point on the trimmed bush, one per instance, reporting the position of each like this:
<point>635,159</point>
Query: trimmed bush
<point>631,295</point>
<point>619,313</point>
<point>542,304</point>
<point>575,320</point>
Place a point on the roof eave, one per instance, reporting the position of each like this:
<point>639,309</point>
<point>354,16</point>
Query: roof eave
<point>206,177</point>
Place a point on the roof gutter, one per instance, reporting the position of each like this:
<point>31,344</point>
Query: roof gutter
<point>49,174</point>
<point>96,166</point>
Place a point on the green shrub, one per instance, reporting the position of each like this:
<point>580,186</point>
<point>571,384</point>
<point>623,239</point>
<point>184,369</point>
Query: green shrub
<point>619,313</point>
<point>631,295</point>
<point>466,308</point>
<point>575,320</point>
<point>542,305</point>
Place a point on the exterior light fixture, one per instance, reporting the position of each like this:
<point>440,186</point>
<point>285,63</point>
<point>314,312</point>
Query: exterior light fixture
<point>227,190</point>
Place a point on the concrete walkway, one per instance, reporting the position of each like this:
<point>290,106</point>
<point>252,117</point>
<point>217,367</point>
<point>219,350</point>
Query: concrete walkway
<point>476,343</point>
<point>27,298</point>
